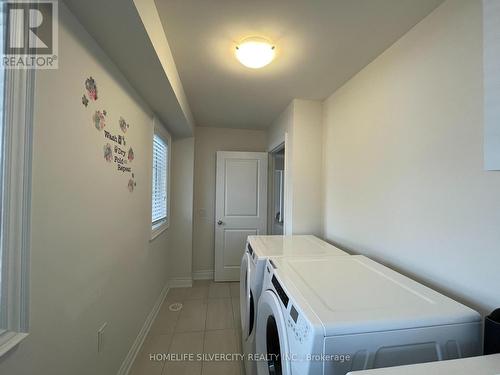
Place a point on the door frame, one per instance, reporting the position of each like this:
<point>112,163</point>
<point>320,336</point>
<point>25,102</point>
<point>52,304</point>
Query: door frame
<point>270,187</point>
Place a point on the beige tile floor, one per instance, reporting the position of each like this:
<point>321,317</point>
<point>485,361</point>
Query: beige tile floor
<point>209,323</point>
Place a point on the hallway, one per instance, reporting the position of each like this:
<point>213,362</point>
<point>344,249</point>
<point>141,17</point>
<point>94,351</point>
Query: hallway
<point>209,323</point>
<point>145,144</point>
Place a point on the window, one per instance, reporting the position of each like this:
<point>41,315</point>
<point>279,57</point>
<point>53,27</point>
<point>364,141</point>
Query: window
<point>160,208</point>
<point>160,162</point>
<point>16,105</point>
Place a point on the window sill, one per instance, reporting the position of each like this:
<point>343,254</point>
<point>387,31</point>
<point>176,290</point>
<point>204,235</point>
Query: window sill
<point>10,341</point>
<point>159,229</point>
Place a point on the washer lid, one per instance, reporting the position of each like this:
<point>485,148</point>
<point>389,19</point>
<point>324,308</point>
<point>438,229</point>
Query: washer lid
<point>266,246</point>
<point>356,295</point>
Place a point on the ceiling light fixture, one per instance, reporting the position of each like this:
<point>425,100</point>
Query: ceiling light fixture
<point>255,52</point>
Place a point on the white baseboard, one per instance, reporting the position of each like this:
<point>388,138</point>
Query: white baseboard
<point>180,282</point>
<point>203,275</point>
<point>139,340</point>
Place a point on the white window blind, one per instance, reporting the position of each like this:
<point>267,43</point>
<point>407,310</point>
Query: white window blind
<point>160,175</point>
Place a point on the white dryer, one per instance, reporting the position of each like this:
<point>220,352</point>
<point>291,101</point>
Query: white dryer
<point>258,250</point>
<point>339,314</point>
<point>481,365</point>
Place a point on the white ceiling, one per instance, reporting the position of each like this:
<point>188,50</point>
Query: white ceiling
<point>320,45</point>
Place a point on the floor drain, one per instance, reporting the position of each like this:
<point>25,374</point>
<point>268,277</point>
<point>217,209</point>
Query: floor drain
<point>175,306</point>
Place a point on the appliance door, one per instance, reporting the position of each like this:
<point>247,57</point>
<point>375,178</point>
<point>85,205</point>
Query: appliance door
<point>246,300</point>
<point>271,337</point>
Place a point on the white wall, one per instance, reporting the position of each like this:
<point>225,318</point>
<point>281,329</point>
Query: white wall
<point>91,259</point>
<point>282,125</point>
<point>181,229</point>
<point>207,142</point>
<point>300,127</point>
<point>403,160</point>
<point>307,167</point>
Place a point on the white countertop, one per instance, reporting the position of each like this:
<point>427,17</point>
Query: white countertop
<point>292,245</point>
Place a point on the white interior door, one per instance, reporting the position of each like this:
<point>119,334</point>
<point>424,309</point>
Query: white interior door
<point>240,208</point>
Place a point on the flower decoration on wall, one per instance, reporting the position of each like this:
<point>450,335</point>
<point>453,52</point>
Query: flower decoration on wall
<point>123,125</point>
<point>108,153</point>
<point>99,119</point>
<point>114,146</point>
<point>91,88</point>
<point>130,154</point>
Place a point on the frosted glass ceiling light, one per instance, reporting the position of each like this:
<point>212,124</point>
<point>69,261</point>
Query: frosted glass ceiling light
<point>255,52</point>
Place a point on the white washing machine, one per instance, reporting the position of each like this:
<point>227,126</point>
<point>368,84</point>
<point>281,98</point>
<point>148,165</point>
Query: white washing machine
<point>258,250</point>
<point>339,314</point>
<point>482,365</point>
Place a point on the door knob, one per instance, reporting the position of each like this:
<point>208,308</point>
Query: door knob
<point>220,222</point>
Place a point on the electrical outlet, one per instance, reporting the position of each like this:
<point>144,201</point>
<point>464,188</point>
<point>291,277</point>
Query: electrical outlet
<point>100,337</point>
